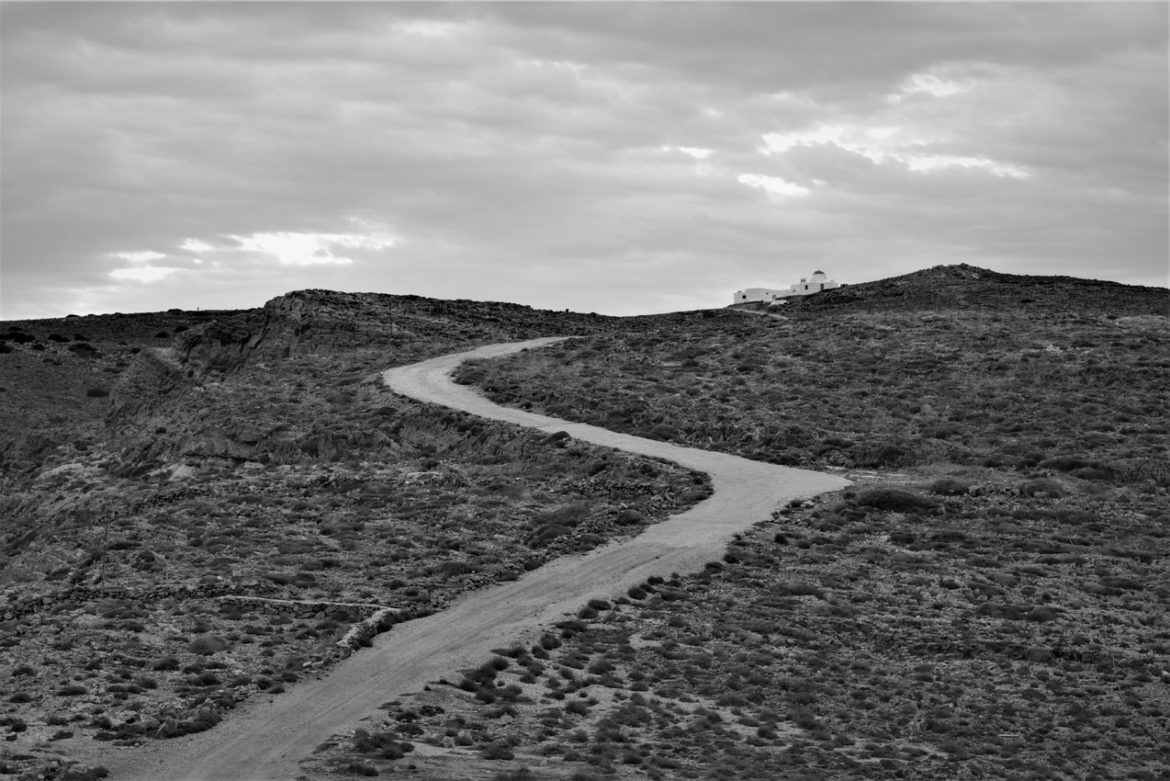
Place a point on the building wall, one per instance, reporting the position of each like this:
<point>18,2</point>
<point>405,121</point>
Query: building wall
<point>803,288</point>
<point>758,294</point>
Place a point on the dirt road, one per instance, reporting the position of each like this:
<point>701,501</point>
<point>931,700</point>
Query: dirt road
<point>267,738</point>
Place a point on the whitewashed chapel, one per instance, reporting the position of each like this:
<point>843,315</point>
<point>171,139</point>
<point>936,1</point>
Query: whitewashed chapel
<point>816,283</point>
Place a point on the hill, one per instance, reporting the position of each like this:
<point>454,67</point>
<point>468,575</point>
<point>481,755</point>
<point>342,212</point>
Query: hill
<point>199,507</point>
<point>986,601</point>
<point>971,288</point>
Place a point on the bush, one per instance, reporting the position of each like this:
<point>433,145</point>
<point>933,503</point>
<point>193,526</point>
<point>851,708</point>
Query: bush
<point>497,751</point>
<point>894,500</point>
<point>84,774</point>
<point>166,663</point>
<point>205,645</point>
<point>1044,487</point>
<point>521,774</point>
<point>950,486</point>
<point>14,724</point>
<point>797,588</point>
<point>883,455</point>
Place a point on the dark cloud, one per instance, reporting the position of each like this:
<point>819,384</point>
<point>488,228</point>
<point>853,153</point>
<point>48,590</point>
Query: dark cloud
<point>587,155</point>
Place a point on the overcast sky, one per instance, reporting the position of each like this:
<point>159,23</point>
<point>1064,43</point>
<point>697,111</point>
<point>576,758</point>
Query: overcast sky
<point>618,158</point>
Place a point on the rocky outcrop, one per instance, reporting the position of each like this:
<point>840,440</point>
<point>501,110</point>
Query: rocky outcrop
<point>154,373</point>
<point>216,349</point>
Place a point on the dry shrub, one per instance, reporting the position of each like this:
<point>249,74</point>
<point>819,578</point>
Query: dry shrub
<point>950,486</point>
<point>205,645</point>
<point>895,500</point>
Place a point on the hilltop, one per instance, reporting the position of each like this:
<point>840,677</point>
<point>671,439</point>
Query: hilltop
<point>964,286</point>
<point>61,371</point>
<point>985,601</point>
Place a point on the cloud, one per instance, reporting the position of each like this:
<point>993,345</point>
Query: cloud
<point>143,274</point>
<point>306,249</point>
<point>773,185</point>
<point>698,153</point>
<point>618,158</point>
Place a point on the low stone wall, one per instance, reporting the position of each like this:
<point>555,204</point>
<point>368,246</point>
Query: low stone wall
<point>252,595</point>
<point>360,633</point>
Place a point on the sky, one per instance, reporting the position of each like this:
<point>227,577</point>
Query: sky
<point>621,158</point>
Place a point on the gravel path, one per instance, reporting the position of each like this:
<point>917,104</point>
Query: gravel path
<point>267,737</point>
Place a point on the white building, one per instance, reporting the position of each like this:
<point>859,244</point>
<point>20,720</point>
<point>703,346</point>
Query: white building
<point>816,283</point>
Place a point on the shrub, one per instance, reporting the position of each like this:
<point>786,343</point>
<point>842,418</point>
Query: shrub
<point>520,774</point>
<point>600,667</point>
<point>883,455</point>
<point>798,588</point>
<point>361,769</point>
<point>84,773</point>
<point>205,645</point>
<point>950,486</point>
<point>1044,487</point>
<point>167,663</point>
<point>384,744</point>
<point>497,751</point>
<point>578,707</point>
<point>894,500</point>
<point>14,724</point>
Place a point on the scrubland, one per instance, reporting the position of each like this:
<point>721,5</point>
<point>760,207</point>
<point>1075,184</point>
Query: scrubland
<point>989,600</point>
<point>230,515</point>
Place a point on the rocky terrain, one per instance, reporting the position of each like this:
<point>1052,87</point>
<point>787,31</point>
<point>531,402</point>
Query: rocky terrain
<point>198,508</point>
<point>884,375</point>
<point>989,600</point>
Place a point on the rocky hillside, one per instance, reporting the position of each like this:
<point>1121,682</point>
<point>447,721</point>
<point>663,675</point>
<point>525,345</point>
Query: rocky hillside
<point>199,506</point>
<point>988,601</point>
<point>898,374</point>
<point>58,373</point>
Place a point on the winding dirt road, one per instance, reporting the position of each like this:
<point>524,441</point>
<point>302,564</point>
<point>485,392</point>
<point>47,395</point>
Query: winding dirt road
<point>266,738</point>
